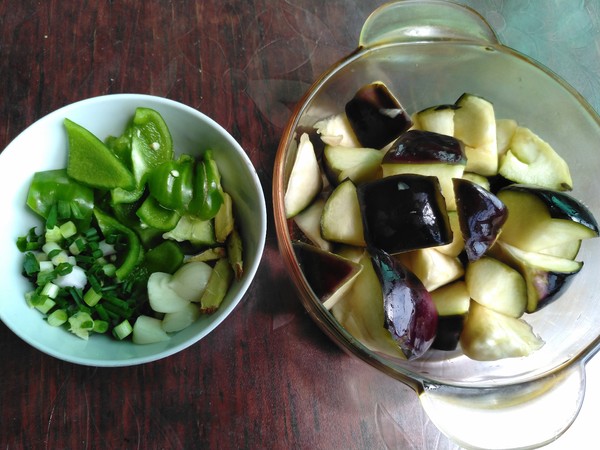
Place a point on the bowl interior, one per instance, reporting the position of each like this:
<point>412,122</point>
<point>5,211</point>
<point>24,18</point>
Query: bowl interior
<point>43,146</point>
<point>423,74</point>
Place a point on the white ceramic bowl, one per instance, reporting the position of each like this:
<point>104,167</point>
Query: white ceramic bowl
<point>43,146</point>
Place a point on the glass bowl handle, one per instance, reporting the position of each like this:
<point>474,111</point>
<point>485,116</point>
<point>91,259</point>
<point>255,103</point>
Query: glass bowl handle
<point>527,415</point>
<point>419,20</point>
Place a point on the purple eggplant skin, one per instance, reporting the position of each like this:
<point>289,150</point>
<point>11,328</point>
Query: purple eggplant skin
<point>549,286</point>
<point>409,312</point>
<point>481,215</point>
<point>448,332</point>
<point>323,270</point>
<point>404,212</point>
<point>560,205</point>
<point>419,147</point>
<point>376,116</point>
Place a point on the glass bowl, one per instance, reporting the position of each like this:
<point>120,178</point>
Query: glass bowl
<point>429,53</point>
<point>43,146</point>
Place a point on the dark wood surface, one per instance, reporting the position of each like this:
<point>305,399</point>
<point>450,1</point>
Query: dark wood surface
<point>267,377</point>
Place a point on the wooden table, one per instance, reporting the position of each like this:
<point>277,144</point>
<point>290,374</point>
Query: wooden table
<point>268,377</point>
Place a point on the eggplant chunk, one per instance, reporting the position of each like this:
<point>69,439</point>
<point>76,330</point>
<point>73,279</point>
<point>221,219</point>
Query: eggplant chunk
<point>376,116</point>
<point>356,163</point>
<point>497,286</point>
<point>409,312</point>
<point>330,276</point>
<point>489,335</point>
<point>305,181</point>
<point>404,212</point>
<point>546,276</point>
<point>540,218</point>
<point>530,160</point>
<point>360,312</point>
<point>481,216</point>
<point>341,220</point>
<point>452,304</point>
<point>439,119</point>
<point>427,153</point>
<point>475,126</point>
<point>433,268</point>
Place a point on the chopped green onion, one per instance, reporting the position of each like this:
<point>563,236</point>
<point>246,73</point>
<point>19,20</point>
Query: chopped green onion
<point>63,269</point>
<point>49,247</point>
<point>91,297</point>
<point>81,323</point>
<point>117,311</point>
<point>44,276</point>
<point>46,306</point>
<point>100,326</point>
<point>109,270</point>
<point>76,295</point>
<point>94,282</point>
<point>122,330</point>
<point>57,318</point>
<point>102,312</point>
<point>31,265</point>
<point>22,243</point>
<point>68,229</point>
<point>53,234</point>
<point>50,290</point>
<point>91,234</point>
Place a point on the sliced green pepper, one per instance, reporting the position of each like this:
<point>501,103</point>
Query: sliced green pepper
<point>165,257</point>
<point>170,183</point>
<point>91,162</point>
<point>208,195</point>
<point>153,215</point>
<point>134,252</point>
<point>51,187</point>
<point>150,145</point>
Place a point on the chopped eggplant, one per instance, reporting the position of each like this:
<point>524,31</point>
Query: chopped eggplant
<point>376,116</point>
<point>489,335</point>
<point>481,216</point>
<point>540,218</point>
<point>427,153</point>
<point>409,312</point>
<point>330,276</point>
<point>497,286</point>
<point>341,220</point>
<point>404,212</point>
<point>531,160</point>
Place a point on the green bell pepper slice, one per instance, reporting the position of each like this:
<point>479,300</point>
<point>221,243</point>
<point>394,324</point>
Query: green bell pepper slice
<point>51,188</point>
<point>149,142</point>
<point>170,184</point>
<point>208,194</point>
<point>134,252</point>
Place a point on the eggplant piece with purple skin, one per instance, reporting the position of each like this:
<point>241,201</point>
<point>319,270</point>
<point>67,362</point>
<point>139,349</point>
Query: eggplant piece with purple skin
<point>540,218</point>
<point>409,312</point>
<point>546,276</point>
<point>481,215</point>
<point>427,153</point>
<point>404,212</point>
<point>452,304</point>
<point>329,275</point>
<point>376,116</point>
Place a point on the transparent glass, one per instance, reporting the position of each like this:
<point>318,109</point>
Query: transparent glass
<point>436,52</point>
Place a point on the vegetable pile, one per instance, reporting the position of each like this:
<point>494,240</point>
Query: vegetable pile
<point>136,242</point>
<point>440,230</point>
